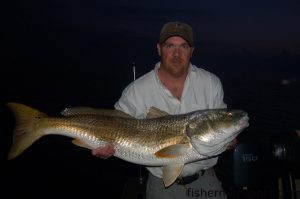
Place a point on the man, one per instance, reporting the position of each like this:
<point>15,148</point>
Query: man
<point>175,86</point>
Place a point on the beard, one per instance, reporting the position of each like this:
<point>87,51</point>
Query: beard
<point>176,67</point>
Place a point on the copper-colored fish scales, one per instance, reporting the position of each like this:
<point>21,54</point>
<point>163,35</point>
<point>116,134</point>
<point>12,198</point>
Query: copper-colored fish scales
<point>127,134</point>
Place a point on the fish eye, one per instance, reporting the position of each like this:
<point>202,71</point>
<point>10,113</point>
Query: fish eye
<point>192,125</point>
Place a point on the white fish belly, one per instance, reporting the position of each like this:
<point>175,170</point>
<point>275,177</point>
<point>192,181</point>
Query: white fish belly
<point>143,157</point>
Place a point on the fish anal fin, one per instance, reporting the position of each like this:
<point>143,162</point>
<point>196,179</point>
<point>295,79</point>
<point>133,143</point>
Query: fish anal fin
<point>173,151</point>
<point>171,172</point>
<point>155,113</point>
<point>80,143</point>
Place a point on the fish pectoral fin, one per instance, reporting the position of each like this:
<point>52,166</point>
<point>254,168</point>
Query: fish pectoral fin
<point>80,143</point>
<point>155,113</point>
<point>171,172</point>
<point>185,140</point>
<point>173,151</point>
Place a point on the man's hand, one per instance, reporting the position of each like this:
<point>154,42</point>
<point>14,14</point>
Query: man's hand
<point>232,144</point>
<point>104,152</point>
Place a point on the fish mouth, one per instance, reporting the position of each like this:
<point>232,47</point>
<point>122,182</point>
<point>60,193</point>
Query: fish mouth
<point>242,123</point>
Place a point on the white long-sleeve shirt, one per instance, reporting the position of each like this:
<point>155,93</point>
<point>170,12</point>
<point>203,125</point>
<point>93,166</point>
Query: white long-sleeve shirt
<point>202,90</point>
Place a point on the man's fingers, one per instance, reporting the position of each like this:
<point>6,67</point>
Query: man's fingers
<point>232,144</point>
<point>104,152</point>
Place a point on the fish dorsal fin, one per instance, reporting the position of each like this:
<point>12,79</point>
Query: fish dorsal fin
<point>82,110</point>
<point>171,172</point>
<point>155,112</point>
<point>80,143</point>
<point>173,151</point>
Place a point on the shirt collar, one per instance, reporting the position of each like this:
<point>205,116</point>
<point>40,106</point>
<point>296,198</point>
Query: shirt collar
<point>191,70</point>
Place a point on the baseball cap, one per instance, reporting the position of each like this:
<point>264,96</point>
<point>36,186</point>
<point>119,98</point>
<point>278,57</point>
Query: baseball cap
<point>177,28</point>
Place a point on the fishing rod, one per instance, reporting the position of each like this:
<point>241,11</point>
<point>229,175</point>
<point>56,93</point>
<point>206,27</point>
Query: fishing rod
<point>140,167</point>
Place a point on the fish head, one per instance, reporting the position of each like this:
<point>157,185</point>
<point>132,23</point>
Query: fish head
<point>212,130</point>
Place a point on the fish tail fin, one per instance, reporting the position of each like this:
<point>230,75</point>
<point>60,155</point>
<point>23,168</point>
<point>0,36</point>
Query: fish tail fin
<point>25,132</point>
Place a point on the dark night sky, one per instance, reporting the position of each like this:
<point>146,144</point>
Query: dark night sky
<point>73,49</point>
<point>70,51</point>
<point>62,53</point>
